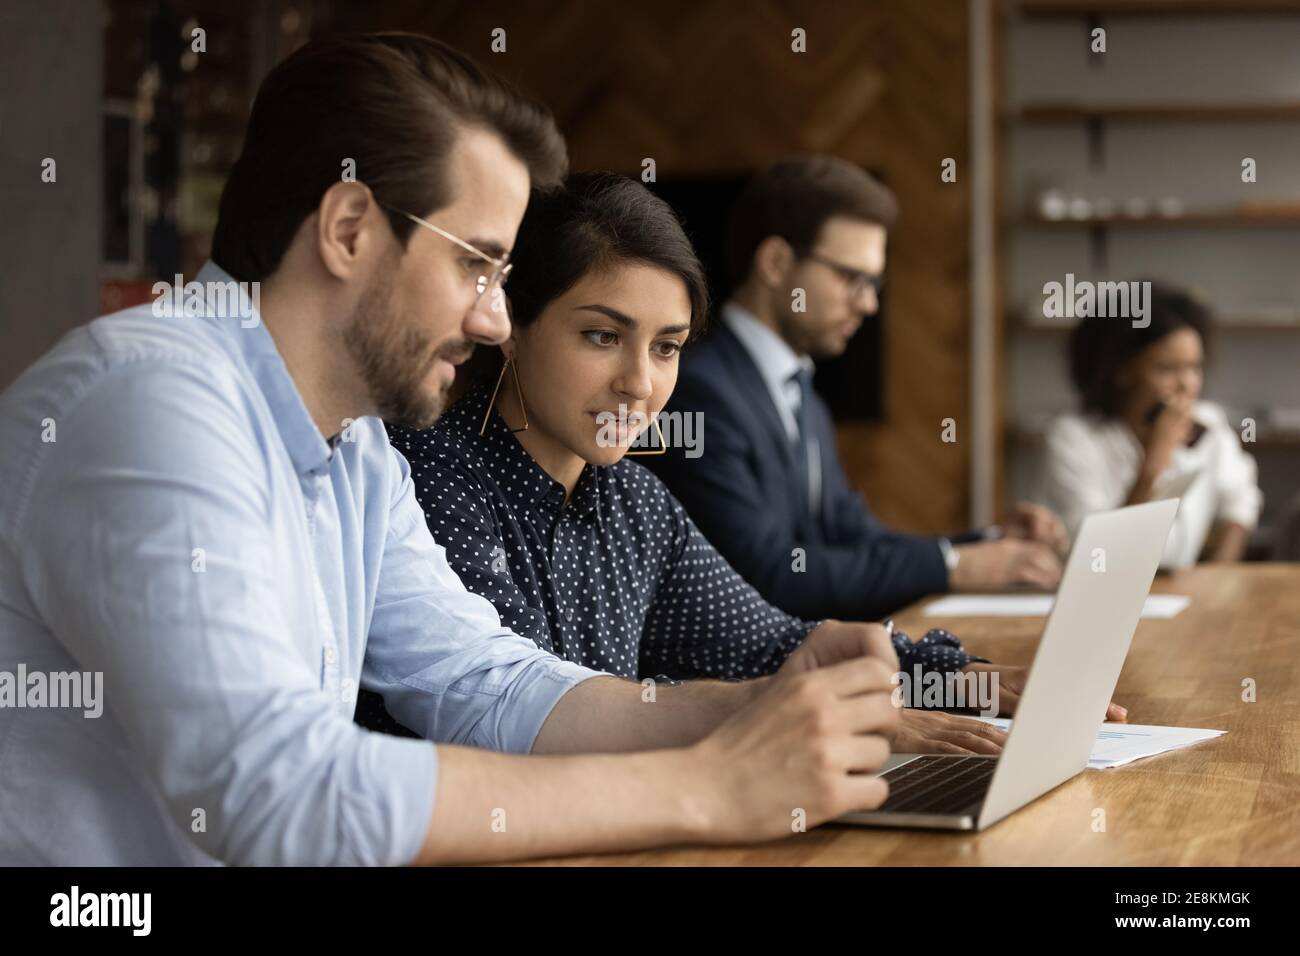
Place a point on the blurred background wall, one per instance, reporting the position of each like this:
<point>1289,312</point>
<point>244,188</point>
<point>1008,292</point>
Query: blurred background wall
<point>51,56</point>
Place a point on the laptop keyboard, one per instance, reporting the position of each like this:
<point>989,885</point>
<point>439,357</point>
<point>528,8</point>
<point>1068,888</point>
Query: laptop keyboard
<point>938,783</point>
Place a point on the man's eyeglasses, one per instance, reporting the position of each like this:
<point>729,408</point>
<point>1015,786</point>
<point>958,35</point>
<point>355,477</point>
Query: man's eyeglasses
<point>856,280</point>
<point>494,272</point>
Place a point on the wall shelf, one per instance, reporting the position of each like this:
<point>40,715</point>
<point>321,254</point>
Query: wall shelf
<point>1107,127</point>
<point>1222,326</point>
<point>1270,439</point>
<point>1147,8</point>
<point>1153,112</point>
<point>1218,218</point>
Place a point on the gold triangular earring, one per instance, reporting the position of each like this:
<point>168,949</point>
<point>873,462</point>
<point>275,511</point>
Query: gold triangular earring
<point>508,363</point>
<point>663,445</point>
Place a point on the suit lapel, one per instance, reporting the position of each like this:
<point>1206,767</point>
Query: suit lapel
<point>757,396</point>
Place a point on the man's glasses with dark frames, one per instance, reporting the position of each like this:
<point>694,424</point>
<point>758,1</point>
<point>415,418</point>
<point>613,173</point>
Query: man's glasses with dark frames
<point>856,280</point>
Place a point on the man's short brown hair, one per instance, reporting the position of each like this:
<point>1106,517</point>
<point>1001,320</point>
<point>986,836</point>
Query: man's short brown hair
<point>793,199</point>
<point>393,104</point>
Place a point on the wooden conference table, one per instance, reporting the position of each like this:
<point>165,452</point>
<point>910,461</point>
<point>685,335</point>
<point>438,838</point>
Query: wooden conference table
<point>1232,801</point>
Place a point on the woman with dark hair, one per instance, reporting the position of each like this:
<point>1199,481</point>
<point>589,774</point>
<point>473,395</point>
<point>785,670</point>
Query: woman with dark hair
<point>1144,431</point>
<point>525,483</point>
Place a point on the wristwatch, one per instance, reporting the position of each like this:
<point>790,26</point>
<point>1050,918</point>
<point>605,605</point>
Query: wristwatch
<point>951,557</point>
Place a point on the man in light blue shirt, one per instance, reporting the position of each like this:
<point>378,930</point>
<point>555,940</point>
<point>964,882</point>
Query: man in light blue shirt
<point>243,570</point>
<point>202,511</point>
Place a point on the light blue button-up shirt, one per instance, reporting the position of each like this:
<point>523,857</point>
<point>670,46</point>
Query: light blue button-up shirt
<point>172,519</point>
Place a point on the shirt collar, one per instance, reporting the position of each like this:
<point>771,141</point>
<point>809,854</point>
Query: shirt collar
<point>517,473</point>
<point>776,361</point>
<point>242,321</point>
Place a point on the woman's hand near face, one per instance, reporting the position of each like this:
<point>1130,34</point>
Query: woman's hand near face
<point>1169,432</point>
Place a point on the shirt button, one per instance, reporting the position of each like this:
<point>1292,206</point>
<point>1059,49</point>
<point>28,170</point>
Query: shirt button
<point>330,655</point>
<point>568,614</point>
<point>348,691</point>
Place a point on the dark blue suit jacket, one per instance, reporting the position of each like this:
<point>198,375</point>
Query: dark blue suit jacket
<point>744,493</point>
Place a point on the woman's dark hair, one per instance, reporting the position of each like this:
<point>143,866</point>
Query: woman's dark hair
<point>393,104</point>
<point>1101,347</point>
<point>591,222</point>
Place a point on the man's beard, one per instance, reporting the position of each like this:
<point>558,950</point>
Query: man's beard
<point>393,357</point>
<point>792,331</point>
<point>803,340</point>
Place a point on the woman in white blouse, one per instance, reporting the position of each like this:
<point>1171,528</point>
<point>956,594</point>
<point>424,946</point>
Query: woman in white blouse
<point>1143,432</point>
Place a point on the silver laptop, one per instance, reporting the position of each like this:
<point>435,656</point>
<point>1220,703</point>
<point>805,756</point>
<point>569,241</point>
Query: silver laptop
<point>1070,683</point>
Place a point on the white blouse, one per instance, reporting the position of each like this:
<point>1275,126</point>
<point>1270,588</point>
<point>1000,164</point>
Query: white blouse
<point>1091,463</point>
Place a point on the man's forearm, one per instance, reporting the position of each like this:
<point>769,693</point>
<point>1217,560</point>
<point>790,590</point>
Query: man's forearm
<point>610,715</point>
<point>493,807</point>
<point>812,745</point>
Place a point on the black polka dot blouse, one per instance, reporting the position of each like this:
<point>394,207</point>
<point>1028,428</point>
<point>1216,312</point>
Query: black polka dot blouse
<point>618,578</point>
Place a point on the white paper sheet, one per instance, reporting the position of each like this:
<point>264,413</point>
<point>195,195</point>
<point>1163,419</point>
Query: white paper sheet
<point>1118,744</point>
<point>1037,605</point>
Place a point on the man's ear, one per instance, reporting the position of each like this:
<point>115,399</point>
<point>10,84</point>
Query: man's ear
<point>349,224</point>
<point>773,260</point>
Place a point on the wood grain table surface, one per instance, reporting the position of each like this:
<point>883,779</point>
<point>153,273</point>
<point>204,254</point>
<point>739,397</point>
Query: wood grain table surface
<point>1230,801</point>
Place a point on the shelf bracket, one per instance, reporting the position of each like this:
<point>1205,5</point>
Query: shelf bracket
<point>1099,246</point>
<point>1095,127</point>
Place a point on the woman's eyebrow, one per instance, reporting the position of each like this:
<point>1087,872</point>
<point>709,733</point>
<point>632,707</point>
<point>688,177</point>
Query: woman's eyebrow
<point>627,321</point>
<point>621,318</point>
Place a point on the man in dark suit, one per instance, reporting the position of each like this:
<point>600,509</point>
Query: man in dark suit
<point>805,249</point>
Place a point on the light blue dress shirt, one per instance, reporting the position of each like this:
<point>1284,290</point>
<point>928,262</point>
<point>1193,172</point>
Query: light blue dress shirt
<point>172,518</point>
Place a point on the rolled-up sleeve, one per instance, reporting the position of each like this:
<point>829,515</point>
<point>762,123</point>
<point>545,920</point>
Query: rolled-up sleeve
<point>152,561</point>
<point>438,653</point>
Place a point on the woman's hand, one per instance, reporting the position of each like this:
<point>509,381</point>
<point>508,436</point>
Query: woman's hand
<point>1011,684</point>
<point>1169,432</point>
<point>936,732</point>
